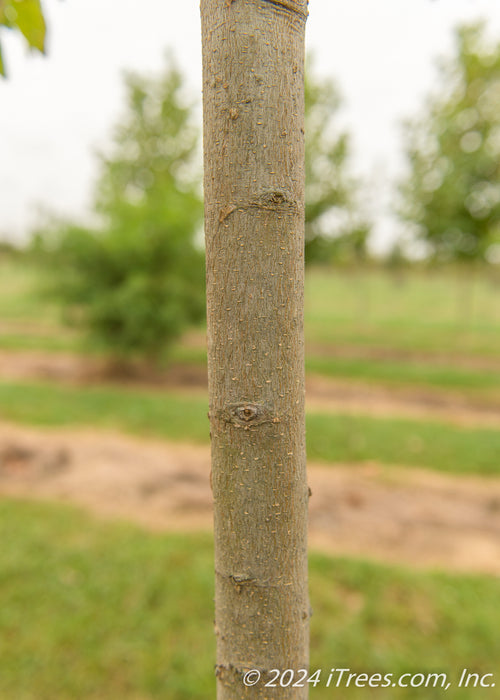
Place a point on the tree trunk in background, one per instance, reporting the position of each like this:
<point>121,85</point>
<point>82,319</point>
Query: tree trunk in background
<point>253,82</point>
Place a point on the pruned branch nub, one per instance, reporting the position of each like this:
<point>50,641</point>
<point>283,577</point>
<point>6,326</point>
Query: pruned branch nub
<point>247,414</point>
<point>274,198</point>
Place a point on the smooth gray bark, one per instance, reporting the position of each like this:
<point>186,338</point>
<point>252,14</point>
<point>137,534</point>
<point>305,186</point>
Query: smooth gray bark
<point>253,85</point>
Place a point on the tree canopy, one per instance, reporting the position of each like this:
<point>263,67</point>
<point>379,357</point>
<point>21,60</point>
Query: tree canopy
<point>135,281</point>
<point>335,227</point>
<point>25,16</point>
<point>451,196</point>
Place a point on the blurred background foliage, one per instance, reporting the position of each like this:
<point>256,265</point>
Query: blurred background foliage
<point>451,196</point>
<point>136,280</point>
<point>337,228</point>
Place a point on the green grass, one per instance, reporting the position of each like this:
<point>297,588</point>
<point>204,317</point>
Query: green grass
<point>47,340</point>
<point>94,610</point>
<point>330,438</point>
<point>28,320</point>
<point>376,619</point>
<point>154,413</point>
<point>435,312</point>
<point>19,296</point>
<point>377,321</point>
<point>98,611</point>
<point>340,438</point>
<point>478,384</point>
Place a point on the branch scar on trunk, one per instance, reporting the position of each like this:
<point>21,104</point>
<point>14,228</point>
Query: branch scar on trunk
<point>247,415</point>
<point>288,6</point>
<point>276,199</point>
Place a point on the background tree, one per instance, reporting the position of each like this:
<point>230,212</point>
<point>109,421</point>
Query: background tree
<point>26,16</point>
<point>452,193</point>
<point>134,282</point>
<point>336,229</point>
<point>253,99</point>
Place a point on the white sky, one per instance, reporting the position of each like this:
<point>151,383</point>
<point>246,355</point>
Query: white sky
<point>55,112</point>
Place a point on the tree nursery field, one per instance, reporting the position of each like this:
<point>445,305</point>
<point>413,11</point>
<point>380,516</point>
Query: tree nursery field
<point>105,476</point>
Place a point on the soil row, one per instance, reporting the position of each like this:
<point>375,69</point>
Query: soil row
<point>397,514</point>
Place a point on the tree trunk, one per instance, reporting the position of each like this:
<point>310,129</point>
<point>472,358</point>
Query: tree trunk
<point>253,81</point>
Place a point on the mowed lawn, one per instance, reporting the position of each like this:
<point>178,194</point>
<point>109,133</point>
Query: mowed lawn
<point>436,329</point>
<point>97,610</point>
<point>28,319</point>
<point>436,312</point>
<point>94,610</point>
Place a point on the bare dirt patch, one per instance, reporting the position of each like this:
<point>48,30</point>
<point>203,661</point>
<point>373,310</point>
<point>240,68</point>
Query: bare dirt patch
<point>393,514</point>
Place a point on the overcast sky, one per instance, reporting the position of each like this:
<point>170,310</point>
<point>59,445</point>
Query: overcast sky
<point>55,112</point>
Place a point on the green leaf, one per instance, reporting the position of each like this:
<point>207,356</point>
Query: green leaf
<point>2,66</point>
<point>27,17</point>
<point>30,22</point>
